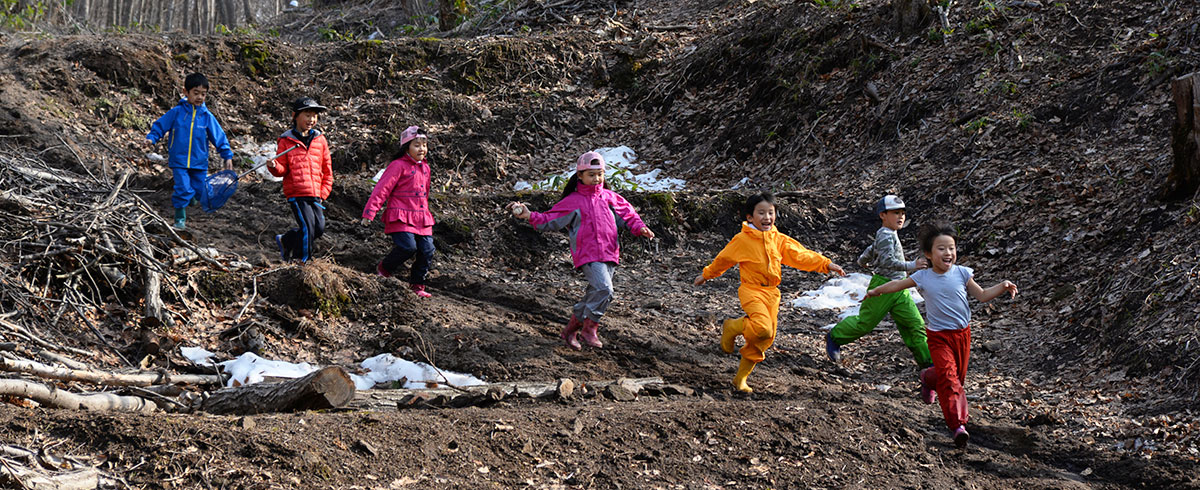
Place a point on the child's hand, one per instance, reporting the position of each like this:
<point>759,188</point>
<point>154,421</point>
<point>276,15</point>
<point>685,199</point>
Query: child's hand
<point>871,293</point>
<point>518,209</point>
<point>837,269</point>
<point>646,232</point>
<point>147,144</point>
<point>921,263</point>
<point>228,164</point>
<point>699,279</point>
<point>364,222</point>
<point>1011,287</point>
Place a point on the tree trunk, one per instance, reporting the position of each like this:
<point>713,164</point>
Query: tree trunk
<point>1184,178</point>
<point>446,15</point>
<point>911,16</point>
<point>329,387</point>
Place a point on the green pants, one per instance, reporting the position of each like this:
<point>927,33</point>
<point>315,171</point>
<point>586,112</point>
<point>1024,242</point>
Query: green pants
<point>904,314</point>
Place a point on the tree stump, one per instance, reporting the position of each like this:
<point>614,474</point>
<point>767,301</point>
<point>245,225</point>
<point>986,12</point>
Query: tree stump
<point>911,16</point>
<point>329,387</point>
<point>1184,178</point>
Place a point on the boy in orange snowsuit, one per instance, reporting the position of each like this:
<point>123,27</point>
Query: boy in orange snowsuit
<point>759,251</point>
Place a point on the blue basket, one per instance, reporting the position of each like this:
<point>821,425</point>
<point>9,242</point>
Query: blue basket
<point>221,186</point>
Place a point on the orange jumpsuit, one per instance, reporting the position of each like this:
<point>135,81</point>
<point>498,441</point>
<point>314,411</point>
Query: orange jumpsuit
<point>760,256</point>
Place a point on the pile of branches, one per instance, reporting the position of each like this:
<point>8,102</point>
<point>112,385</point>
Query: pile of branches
<point>76,253</point>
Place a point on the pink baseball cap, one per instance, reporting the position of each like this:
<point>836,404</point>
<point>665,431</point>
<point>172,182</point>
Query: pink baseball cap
<point>586,162</point>
<point>410,134</point>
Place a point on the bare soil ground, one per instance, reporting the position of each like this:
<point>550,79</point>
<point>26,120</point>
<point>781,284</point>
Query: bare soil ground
<point>1042,131</point>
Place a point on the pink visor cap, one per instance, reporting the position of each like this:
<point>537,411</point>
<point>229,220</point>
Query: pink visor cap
<point>586,159</point>
<point>410,134</point>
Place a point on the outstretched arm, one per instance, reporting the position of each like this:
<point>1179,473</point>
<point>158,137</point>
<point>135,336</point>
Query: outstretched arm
<point>985,295</point>
<point>892,286</point>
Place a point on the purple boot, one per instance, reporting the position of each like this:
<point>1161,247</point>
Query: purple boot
<point>569,332</point>
<point>590,335</point>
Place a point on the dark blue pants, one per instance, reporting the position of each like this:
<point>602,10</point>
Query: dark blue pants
<point>404,246</point>
<point>310,221</point>
<point>189,183</point>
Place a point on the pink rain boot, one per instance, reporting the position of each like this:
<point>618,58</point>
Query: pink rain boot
<point>589,334</point>
<point>569,332</point>
<point>419,290</point>
<point>928,395</point>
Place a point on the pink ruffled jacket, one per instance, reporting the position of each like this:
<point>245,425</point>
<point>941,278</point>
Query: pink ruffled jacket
<point>405,187</point>
<point>591,216</point>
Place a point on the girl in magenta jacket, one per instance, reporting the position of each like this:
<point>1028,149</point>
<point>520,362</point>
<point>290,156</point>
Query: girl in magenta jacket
<point>591,214</point>
<point>404,187</point>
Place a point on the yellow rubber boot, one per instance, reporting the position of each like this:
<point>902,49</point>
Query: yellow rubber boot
<point>729,332</point>
<point>739,379</point>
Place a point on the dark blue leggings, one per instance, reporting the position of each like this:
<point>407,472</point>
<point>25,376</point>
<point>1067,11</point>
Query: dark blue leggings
<point>310,218</point>
<point>404,246</point>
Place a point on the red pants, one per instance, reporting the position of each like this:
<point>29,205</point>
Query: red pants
<point>950,350</point>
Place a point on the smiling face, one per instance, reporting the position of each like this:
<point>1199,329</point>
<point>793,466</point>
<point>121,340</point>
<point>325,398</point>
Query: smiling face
<point>763,217</point>
<point>196,95</point>
<point>418,148</point>
<point>893,220</point>
<point>592,177</point>
<point>943,253</point>
<point>306,120</point>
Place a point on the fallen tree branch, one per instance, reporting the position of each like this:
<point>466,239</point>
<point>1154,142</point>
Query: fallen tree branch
<point>54,397</point>
<point>104,378</point>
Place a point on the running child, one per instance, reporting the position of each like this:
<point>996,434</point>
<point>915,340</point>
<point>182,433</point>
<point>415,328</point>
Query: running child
<point>191,127</point>
<point>591,215</point>
<point>885,258</point>
<point>404,187</point>
<point>307,179</point>
<point>759,251</point>
<point>945,286</point>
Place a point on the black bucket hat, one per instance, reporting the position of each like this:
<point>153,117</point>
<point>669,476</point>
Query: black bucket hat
<point>307,104</point>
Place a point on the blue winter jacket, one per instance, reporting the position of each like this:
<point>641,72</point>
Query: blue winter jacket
<point>191,128</point>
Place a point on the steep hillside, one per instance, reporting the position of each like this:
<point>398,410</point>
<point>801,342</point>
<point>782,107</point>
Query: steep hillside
<point>1041,129</point>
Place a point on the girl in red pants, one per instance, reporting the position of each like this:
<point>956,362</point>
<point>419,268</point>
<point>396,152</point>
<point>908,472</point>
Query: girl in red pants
<point>945,286</point>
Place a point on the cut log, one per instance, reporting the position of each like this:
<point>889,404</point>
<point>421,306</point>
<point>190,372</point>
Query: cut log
<point>485,394</point>
<point>105,378</point>
<point>54,397</point>
<point>329,387</point>
<point>1184,179</point>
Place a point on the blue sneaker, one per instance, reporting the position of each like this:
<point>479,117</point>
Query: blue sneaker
<point>833,350</point>
<point>279,243</point>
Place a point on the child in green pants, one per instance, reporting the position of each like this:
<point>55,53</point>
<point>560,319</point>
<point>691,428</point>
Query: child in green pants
<point>885,258</point>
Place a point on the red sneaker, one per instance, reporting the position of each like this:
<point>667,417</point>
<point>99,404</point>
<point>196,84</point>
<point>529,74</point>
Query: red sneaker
<point>419,290</point>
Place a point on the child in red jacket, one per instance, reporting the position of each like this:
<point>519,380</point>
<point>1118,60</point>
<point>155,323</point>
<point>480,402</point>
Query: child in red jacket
<point>307,179</point>
<point>404,186</point>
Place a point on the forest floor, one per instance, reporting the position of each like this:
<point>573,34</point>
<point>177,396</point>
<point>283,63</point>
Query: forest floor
<point>1022,125</point>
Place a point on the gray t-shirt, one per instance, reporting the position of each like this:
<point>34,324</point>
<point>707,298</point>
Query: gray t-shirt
<point>945,296</point>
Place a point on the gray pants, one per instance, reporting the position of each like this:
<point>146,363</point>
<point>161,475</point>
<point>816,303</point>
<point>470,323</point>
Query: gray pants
<point>599,291</point>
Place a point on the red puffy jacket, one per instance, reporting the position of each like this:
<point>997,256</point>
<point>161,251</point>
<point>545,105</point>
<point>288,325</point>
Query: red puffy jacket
<point>306,172</point>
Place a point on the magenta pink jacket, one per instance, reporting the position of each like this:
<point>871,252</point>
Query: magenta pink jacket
<point>591,216</point>
<point>405,187</point>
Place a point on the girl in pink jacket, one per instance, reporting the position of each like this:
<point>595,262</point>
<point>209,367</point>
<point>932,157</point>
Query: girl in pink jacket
<point>404,187</point>
<point>591,214</point>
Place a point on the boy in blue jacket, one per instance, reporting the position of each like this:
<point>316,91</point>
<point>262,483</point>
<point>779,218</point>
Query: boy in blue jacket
<point>191,128</point>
